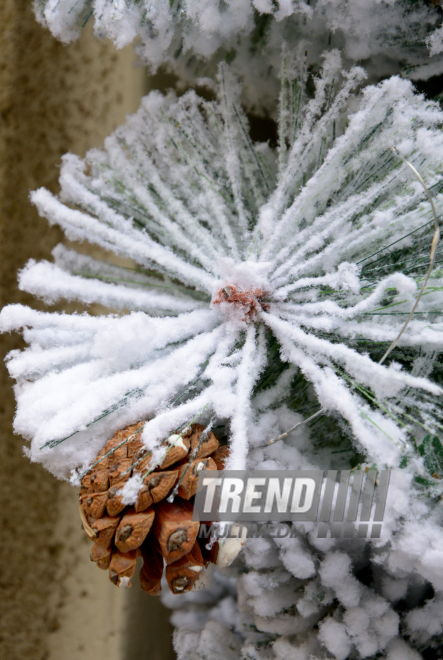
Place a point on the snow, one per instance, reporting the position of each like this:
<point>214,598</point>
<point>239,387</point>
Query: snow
<point>334,637</point>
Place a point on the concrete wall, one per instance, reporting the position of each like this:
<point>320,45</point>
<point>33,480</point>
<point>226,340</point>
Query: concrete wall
<point>54,604</point>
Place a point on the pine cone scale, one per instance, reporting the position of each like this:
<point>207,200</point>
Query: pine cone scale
<point>104,529</point>
<point>133,529</point>
<point>156,487</point>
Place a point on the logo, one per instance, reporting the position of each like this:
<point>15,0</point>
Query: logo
<point>343,503</point>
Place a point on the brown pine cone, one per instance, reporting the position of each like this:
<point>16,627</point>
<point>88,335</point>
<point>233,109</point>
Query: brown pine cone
<point>158,531</point>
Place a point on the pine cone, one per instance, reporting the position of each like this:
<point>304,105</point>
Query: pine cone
<point>154,529</point>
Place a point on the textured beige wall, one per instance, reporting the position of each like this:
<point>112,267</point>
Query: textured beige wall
<point>54,604</point>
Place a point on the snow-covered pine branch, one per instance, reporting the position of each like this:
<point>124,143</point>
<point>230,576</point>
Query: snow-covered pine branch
<point>264,285</point>
<point>193,36</point>
<point>328,255</point>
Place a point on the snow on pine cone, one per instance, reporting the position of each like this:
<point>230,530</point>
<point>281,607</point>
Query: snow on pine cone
<point>159,530</point>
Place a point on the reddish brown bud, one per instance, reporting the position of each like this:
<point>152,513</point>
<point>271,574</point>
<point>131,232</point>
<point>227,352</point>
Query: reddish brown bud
<point>249,302</point>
